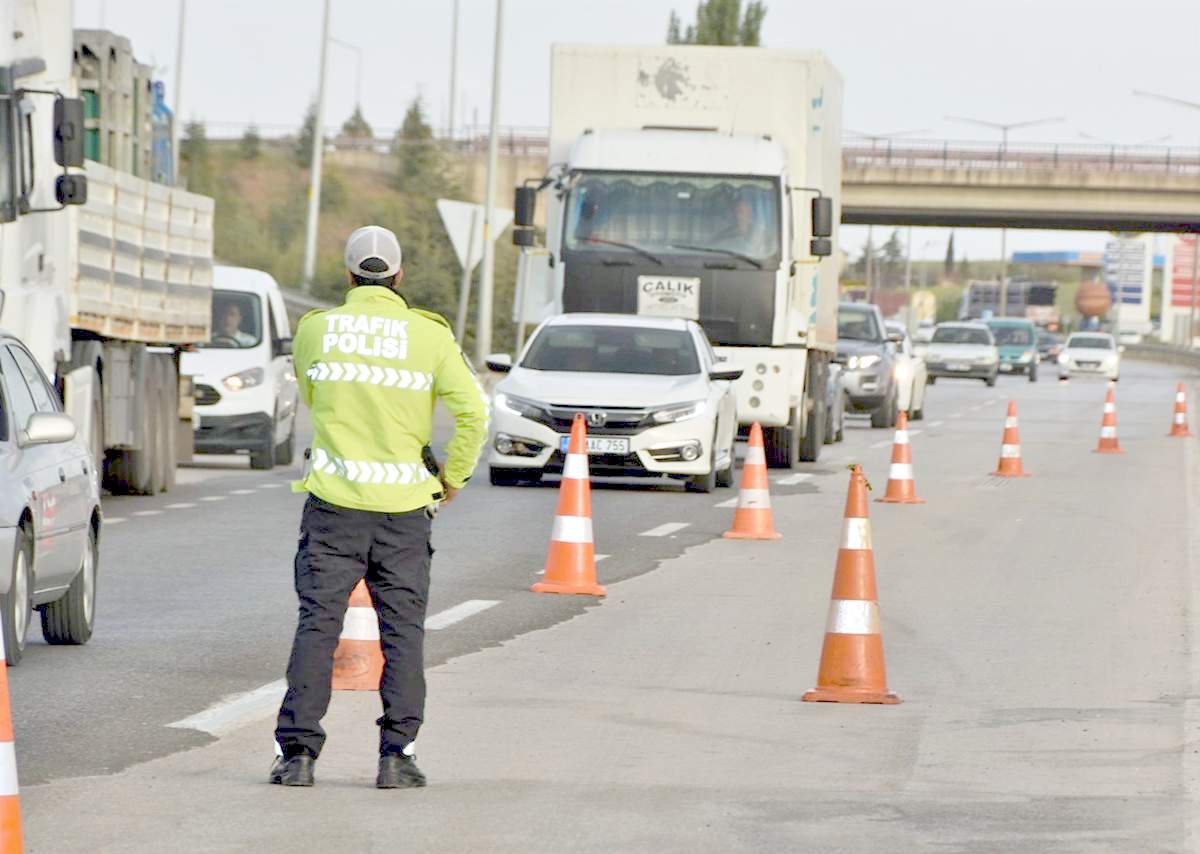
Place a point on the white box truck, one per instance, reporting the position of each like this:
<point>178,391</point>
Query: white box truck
<point>104,275</point>
<point>700,182</point>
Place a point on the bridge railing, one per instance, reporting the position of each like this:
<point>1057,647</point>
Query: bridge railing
<point>954,154</point>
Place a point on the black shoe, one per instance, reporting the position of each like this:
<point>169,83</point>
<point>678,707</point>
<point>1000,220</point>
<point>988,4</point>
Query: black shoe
<point>397,771</point>
<point>297,771</point>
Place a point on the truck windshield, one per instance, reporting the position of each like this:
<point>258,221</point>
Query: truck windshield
<point>236,320</point>
<point>659,213</point>
<point>613,350</point>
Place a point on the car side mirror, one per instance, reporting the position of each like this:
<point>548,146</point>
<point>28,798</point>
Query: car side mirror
<point>283,346</point>
<point>725,376</point>
<point>500,363</point>
<point>68,132</point>
<point>47,428</point>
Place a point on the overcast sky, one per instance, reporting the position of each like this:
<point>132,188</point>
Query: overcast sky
<point>907,65</point>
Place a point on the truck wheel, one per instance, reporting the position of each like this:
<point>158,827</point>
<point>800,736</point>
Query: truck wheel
<point>69,620</point>
<point>782,443</point>
<point>263,459</point>
<point>14,605</point>
<point>814,437</point>
<point>285,453</point>
<point>131,472</point>
<point>170,421</point>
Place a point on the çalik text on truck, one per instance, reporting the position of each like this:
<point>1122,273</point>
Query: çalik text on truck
<point>104,274</point>
<point>699,182</point>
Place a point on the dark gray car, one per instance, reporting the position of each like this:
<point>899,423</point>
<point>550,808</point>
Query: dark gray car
<point>867,357</point>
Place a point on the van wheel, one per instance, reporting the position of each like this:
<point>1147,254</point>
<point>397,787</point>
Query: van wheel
<point>263,459</point>
<point>70,620</point>
<point>285,453</point>
<point>14,605</point>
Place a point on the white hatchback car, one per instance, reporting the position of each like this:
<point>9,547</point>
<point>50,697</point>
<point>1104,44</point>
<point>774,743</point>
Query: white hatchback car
<point>657,401</point>
<point>911,374</point>
<point>1094,353</point>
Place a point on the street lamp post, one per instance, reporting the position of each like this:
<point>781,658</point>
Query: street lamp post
<point>318,144</point>
<point>358,61</point>
<point>483,330</point>
<point>1004,128</point>
<point>178,116</point>
<point>453,72</point>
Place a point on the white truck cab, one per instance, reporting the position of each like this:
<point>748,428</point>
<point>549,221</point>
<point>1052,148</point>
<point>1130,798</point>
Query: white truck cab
<point>246,392</point>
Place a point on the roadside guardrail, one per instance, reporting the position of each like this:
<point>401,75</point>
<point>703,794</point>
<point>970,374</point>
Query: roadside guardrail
<point>1164,354</point>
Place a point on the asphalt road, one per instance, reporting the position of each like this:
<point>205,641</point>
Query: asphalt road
<point>195,601</point>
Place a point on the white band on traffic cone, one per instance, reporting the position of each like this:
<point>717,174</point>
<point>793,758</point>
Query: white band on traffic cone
<point>572,529</point>
<point>856,533</point>
<point>1109,407</point>
<point>576,467</point>
<point>754,499</point>
<point>901,437</point>
<point>900,471</point>
<point>853,617</point>
<point>1010,452</point>
<point>1010,421</point>
<point>1108,432</point>
<point>755,457</point>
<point>360,624</point>
<point>1179,419</point>
<point>1180,397</point>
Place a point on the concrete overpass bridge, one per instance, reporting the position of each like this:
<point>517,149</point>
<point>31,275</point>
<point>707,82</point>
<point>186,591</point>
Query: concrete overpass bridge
<point>1108,188</point>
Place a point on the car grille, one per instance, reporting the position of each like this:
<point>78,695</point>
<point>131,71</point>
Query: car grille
<point>618,421</point>
<point>1091,366</point>
<point>206,395</point>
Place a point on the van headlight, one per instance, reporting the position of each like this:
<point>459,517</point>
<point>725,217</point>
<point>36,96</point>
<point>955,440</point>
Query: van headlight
<point>248,378</point>
<point>856,362</point>
<point>678,412</point>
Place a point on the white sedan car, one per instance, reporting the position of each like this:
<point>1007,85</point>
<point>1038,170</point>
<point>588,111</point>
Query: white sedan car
<point>911,374</point>
<point>49,510</point>
<point>656,401</point>
<point>1093,353</point>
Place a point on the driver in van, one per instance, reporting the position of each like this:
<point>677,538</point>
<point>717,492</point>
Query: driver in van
<point>230,326</point>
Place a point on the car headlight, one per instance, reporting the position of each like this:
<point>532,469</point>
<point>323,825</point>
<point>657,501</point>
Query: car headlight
<point>1027,356</point>
<point>856,362</point>
<point>248,378</point>
<point>678,412</point>
<point>1063,359</point>
<point>517,405</point>
<point>984,360</point>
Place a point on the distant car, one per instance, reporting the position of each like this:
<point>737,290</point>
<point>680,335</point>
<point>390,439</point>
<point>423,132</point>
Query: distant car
<point>912,375</point>
<point>656,399</point>
<point>920,340</point>
<point>49,510</point>
<point>868,360</point>
<point>963,349</point>
<point>1016,339</point>
<point>1130,336</point>
<point>1049,344</point>
<point>1093,353</point>
<point>246,391</point>
<point>835,406</point>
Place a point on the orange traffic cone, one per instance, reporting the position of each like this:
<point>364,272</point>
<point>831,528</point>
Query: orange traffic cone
<point>1010,447</point>
<point>1179,425</point>
<point>571,562</point>
<point>752,520</point>
<point>852,669</point>
<point>900,486</point>
<point>10,799</point>
<point>1108,426</point>
<point>358,659</point>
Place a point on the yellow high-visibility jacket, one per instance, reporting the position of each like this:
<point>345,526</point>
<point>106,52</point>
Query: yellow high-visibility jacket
<point>370,371</point>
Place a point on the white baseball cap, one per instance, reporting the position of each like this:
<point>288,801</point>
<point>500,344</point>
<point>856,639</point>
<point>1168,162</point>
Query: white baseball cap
<point>373,252</point>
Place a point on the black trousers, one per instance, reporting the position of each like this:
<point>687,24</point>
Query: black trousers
<point>338,548</point>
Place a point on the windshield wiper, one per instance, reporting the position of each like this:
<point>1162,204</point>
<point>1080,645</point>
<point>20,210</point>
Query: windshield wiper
<point>740,256</point>
<point>630,246</point>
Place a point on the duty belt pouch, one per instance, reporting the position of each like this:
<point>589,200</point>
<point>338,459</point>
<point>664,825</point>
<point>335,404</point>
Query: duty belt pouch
<point>431,464</point>
<point>306,466</point>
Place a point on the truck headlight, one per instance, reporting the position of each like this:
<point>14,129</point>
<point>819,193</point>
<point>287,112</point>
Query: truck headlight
<point>678,412</point>
<point>856,362</point>
<point>248,378</point>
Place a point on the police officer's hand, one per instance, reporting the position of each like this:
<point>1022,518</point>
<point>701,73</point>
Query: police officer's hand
<point>449,493</point>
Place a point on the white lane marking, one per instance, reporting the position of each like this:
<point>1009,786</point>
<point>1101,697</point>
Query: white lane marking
<point>916,432</point>
<point>793,479</point>
<point>242,491</point>
<point>730,502</point>
<point>933,425</point>
<point>881,444</point>
<point>147,513</point>
<point>600,557</point>
<point>956,415</point>
<point>183,505</point>
<point>236,710</point>
<point>665,530</point>
<point>459,612</point>
<point>114,520</point>
<point>213,498</point>
<point>271,486</point>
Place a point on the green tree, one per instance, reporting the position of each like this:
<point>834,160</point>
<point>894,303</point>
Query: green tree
<point>195,159</point>
<point>251,144</point>
<point>304,140</point>
<point>948,268</point>
<point>721,22</point>
<point>421,166</point>
<point>356,127</point>
<point>891,260</point>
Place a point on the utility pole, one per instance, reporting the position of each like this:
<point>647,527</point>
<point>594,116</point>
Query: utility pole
<point>358,60</point>
<point>908,309</point>
<point>1004,128</point>
<point>483,326</point>
<point>453,72</point>
<point>318,146</point>
<point>869,252</point>
<point>177,116</point>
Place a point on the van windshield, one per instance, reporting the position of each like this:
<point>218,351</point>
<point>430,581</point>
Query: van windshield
<point>236,320</point>
<point>1017,335</point>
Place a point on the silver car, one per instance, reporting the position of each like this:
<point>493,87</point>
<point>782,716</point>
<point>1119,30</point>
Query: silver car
<point>49,510</point>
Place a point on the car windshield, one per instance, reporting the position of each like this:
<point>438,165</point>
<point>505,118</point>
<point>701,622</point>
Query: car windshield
<point>1016,335</point>
<point>236,320</point>
<point>660,213</point>
<point>613,350</point>
<point>961,335</point>
<point>1048,338</point>
<point>857,324</point>
<point>1090,342</point>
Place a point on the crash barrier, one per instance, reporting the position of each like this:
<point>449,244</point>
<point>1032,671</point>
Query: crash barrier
<point>358,659</point>
<point>571,560</point>
<point>1010,447</point>
<point>1164,354</point>
<point>10,799</point>
<point>852,668</point>
<point>901,489</point>
<point>1108,426</point>
<point>753,519</point>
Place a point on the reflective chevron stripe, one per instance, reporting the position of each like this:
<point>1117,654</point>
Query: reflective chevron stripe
<point>369,471</point>
<point>386,377</point>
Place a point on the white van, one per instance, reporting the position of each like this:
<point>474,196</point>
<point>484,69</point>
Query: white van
<point>246,393</point>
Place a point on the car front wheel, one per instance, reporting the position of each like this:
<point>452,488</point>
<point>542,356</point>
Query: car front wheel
<point>14,605</point>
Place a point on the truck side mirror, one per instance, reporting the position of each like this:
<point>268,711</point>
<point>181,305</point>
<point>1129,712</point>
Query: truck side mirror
<point>820,247</point>
<point>524,206</point>
<point>68,132</point>
<point>71,189</point>
<point>822,218</point>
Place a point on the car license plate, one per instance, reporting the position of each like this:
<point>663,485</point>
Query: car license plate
<point>958,366</point>
<point>669,296</point>
<point>1088,366</point>
<point>599,445</point>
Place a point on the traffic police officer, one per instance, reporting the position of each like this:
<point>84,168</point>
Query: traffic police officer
<point>370,371</point>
